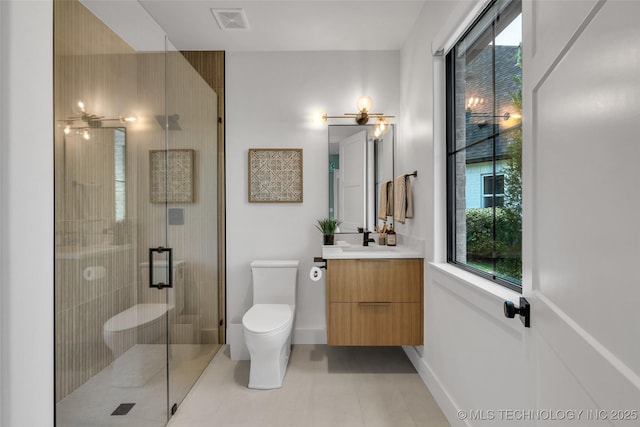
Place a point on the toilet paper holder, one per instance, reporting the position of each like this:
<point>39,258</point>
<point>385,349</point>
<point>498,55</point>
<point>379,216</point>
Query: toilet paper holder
<point>320,259</point>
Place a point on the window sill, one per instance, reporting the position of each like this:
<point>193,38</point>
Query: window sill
<point>476,283</point>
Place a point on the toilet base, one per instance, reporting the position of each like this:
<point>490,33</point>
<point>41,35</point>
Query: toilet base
<point>267,370</point>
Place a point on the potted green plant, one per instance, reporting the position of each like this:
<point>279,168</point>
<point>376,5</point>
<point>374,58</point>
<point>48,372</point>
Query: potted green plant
<point>328,227</point>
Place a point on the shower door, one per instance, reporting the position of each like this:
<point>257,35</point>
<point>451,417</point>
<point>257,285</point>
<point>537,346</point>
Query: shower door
<point>136,219</point>
<point>190,227</point>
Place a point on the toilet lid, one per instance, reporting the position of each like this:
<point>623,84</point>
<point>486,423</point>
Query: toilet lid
<point>264,318</point>
<point>137,315</point>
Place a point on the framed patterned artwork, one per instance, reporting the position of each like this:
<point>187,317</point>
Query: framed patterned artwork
<point>171,176</point>
<point>275,175</point>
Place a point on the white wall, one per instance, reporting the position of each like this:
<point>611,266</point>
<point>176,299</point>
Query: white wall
<point>414,148</point>
<point>270,100</point>
<point>26,288</point>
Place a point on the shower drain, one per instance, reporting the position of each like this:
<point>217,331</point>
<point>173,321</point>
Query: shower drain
<point>123,409</point>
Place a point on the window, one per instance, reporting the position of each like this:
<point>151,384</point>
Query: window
<point>484,146</point>
<point>489,193</point>
<point>120,153</point>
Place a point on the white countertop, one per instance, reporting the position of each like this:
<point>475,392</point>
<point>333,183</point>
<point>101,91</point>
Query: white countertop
<point>343,250</point>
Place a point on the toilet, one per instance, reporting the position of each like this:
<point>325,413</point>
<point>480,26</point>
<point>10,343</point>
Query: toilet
<point>268,323</point>
<point>132,334</point>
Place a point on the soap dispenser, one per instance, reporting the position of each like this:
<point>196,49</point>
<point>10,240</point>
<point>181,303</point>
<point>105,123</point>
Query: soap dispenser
<point>391,237</point>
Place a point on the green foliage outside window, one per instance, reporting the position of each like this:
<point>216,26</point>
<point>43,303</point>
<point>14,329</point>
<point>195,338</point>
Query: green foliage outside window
<point>511,265</point>
<point>513,170</point>
<point>507,244</point>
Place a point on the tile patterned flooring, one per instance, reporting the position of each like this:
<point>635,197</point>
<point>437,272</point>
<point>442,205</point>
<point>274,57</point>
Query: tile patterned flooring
<point>323,386</point>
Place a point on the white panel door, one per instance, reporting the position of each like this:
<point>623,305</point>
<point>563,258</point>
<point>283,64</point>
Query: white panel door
<point>584,199</point>
<point>353,151</point>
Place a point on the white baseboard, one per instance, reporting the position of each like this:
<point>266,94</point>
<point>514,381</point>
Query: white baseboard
<point>438,391</point>
<point>235,338</point>
<point>309,336</point>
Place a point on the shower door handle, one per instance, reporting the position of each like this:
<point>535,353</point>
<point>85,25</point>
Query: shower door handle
<point>161,285</point>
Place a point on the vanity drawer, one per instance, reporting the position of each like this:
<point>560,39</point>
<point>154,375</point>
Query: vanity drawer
<point>375,280</point>
<point>375,324</point>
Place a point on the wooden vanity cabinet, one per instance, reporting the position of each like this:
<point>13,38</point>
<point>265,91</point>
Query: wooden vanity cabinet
<point>376,302</point>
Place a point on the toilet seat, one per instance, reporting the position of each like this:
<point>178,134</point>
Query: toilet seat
<point>267,318</point>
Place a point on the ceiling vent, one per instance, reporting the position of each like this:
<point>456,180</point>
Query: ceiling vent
<point>231,19</point>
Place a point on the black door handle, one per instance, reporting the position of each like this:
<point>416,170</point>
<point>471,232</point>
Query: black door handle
<point>161,285</point>
<point>510,311</point>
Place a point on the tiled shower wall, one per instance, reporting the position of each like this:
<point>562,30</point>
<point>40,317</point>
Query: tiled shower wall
<point>90,62</point>
<point>94,65</point>
<point>82,308</point>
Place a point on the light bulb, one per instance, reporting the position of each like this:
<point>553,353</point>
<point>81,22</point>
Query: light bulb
<point>67,130</point>
<point>85,135</point>
<point>381,128</point>
<point>364,104</point>
<point>81,105</point>
<point>319,117</point>
<point>128,119</point>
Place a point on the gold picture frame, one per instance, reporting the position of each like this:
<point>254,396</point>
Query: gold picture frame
<point>275,175</point>
<point>171,176</point>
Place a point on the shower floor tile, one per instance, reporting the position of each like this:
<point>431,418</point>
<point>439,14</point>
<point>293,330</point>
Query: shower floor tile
<point>92,404</point>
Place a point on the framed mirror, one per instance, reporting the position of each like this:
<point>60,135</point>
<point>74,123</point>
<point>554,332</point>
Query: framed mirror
<point>361,171</point>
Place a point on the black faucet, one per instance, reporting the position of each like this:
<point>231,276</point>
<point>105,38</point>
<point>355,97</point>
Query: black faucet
<point>366,239</point>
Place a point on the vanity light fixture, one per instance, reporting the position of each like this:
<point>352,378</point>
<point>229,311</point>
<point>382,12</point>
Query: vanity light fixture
<point>476,101</point>
<point>505,117</point>
<point>91,121</point>
<point>82,131</point>
<point>364,105</point>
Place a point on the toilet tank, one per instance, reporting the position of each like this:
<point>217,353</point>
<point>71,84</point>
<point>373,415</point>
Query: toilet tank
<point>274,281</point>
<point>161,274</point>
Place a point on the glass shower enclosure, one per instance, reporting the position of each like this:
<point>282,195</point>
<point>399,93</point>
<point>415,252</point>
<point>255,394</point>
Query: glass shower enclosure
<point>136,274</point>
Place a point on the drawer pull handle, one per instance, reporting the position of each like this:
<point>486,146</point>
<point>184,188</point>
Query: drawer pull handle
<point>374,303</point>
